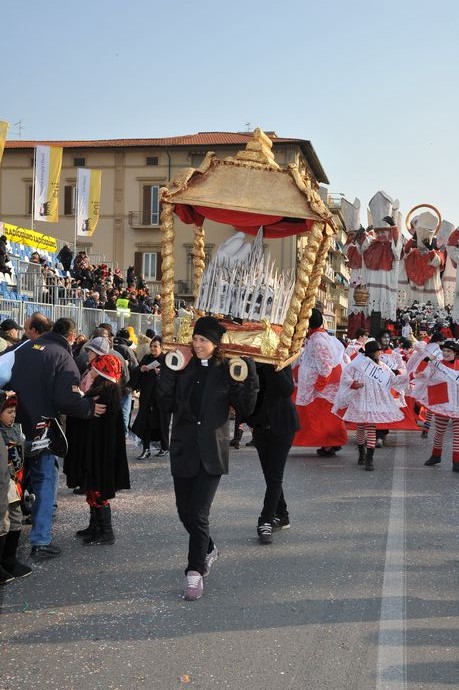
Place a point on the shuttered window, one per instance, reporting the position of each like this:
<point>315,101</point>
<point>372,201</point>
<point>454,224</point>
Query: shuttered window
<point>69,200</point>
<point>148,264</point>
<point>150,205</point>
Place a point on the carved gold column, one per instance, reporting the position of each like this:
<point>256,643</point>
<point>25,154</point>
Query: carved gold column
<point>199,256</point>
<point>312,288</point>
<point>304,271</point>
<point>167,280</point>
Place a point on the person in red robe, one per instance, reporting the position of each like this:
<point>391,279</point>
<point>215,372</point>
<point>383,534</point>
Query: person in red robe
<point>319,375</point>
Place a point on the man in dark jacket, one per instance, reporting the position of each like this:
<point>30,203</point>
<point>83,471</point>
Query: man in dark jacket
<point>46,381</point>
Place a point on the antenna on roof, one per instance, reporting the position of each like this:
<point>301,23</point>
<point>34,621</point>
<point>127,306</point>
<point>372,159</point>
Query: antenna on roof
<point>19,128</point>
<point>249,126</point>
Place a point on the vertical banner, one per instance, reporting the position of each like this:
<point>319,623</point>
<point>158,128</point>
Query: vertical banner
<point>3,133</point>
<point>48,164</point>
<point>88,201</point>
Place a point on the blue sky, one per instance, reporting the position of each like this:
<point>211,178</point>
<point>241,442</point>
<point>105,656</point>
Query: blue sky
<point>372,84</point>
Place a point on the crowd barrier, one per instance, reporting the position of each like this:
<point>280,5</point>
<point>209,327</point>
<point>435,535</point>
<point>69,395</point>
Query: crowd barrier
<point>86,319</point>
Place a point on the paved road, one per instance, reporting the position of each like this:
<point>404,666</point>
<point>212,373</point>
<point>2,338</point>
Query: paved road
<point>360,594</point>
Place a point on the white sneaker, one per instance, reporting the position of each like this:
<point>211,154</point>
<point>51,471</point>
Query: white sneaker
<point>194,586</point>
<point>210,560</point>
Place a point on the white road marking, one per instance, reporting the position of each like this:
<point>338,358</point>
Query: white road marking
<point>391,665</point>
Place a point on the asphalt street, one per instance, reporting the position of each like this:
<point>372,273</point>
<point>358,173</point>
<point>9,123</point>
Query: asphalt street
<point>360,593</point>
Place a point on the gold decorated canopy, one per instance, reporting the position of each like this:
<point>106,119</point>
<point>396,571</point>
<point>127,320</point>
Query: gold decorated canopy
<point>251,183</point>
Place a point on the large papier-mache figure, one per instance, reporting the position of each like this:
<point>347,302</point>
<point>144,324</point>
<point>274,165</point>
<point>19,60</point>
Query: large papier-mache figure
<point>424,261</point>
<point>381,249</point>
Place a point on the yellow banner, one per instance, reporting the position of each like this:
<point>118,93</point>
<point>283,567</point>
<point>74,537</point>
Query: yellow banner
<point>3,133</point>
<point>29,237</point>
<point>48,164</point>
<point>88,200</point>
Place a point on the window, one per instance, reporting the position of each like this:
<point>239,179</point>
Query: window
<point>29,200</point>
<point>69,200</point>
<point>79,162</point>
<point>197,158</point>
<point>150,263</point>
<point>152,160</point>
<point>150,205</point>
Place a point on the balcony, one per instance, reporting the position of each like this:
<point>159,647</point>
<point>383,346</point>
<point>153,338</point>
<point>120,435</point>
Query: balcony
<point>339,263</point>
<point>334,201</point>
<point>139,219</point>
<point>329,273</point>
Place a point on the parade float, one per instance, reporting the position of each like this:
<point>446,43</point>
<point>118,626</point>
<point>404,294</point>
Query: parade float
<point>265,311</point>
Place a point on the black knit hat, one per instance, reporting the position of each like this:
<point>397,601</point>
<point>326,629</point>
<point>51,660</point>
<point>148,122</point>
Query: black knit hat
<point>450,345</point>
<point>209,328</point>
<point>316,319</point>
<point>372,346</point>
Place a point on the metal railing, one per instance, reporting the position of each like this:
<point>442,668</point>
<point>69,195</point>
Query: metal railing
<point>143,219</point>
<point>86,319</point>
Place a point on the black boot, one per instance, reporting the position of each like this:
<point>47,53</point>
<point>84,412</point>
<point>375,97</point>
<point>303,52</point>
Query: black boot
<point>236,440</point>
<point>361,460</point>
<point>9,561</point>
<point>433,460</point>
<point>145,452</point>
<point>369,460</point>
<point>105,535</point>
<point>93,527</point>
<point>5,576</point>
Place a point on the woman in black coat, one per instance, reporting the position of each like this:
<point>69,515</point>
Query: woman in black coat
<point>151,423</point>
<point>274,424</point>
<point>96,460</point>
<point>200,397</point>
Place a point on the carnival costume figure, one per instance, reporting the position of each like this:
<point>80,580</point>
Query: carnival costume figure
<point>319,375</point>
<point>437,388</point>
<point>364,397</point>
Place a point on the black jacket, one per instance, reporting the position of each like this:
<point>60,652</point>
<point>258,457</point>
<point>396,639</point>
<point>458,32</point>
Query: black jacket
<point>150,417</point>
<point>96,459</point>
<point>203,438</point>
<point>275,409</point>
<point>46,379</point>
<point>122,346</point>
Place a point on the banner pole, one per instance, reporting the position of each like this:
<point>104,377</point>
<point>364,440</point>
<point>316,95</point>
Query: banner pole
<point>76,221</point>
<point>33,185</point>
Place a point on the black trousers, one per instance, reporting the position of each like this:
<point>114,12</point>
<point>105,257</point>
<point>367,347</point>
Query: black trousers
<point>273,450</point>
<point>193,497</point>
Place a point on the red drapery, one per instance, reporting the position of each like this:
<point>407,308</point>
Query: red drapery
<point>274,226</point>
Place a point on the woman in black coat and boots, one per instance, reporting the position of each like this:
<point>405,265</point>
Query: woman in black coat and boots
<point>151,423</point>
<point>200,397</point>
<point>275,422</point>
<point>96,460</point>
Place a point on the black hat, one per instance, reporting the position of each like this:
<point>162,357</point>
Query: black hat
<point>209,328</point>
<point>372,346</point>
<point>9,324</point>
<point>450,345</point>
<point>316,319</point>
<point>123,333</point>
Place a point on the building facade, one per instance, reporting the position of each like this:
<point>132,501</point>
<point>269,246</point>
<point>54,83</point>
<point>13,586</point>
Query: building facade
<point>133,172</point>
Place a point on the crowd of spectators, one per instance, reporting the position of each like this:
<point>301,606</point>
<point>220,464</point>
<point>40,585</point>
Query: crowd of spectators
<point>97,286</point>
